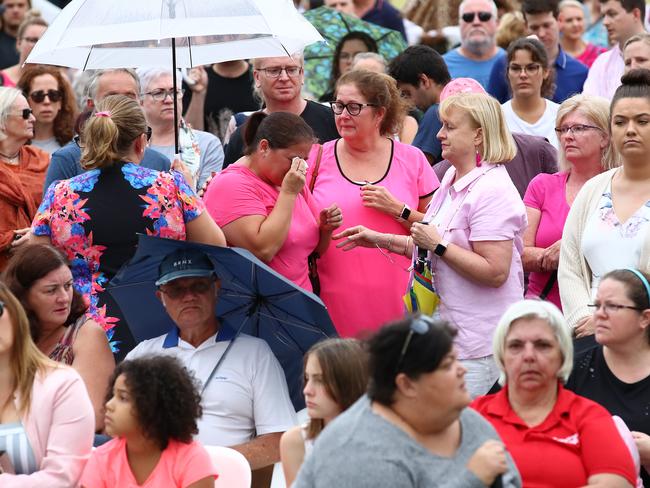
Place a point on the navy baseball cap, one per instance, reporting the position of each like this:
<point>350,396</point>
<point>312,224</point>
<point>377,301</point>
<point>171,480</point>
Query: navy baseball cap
<point>184,263</point>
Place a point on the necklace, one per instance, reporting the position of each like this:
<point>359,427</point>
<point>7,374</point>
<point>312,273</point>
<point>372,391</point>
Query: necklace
<point>15,159</point>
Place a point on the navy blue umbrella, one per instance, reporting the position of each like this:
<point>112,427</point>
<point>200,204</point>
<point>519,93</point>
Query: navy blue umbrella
<point>253,299</point>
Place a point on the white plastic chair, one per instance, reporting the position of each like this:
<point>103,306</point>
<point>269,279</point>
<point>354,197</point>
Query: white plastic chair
<point>232,467</point>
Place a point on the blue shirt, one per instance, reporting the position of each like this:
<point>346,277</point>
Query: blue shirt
<point>384,14</point>
<point>462,67</point>
<point>570,75</point>
<point>65,163</point>
<point>425,139</point>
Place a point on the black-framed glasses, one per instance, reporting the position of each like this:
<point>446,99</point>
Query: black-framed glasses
<point>611,307</point>
<point>160,95</point>
<point>196,288</point>
<point>24,113</point>
<point>39,95</point>
<point>2,308</point>
<point>529,69</point>
<point>576,129</point>
<point>276,71</point>
<point>353,108</point>
<point>482,16</point>
<point>420,326</point>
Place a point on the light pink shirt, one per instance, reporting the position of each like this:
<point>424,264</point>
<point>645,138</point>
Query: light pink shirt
<point>605,74</point>
<point>484,205</point>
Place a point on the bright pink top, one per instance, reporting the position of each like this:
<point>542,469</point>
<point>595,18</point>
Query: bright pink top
<point>179,466</point>
<point>547,193</point>
<point>484,206</point>
<point>590,54</point>
<point>362,288</point>
<point>238,192</point>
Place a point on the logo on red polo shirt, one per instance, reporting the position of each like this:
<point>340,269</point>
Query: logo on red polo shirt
<point>574,440</point>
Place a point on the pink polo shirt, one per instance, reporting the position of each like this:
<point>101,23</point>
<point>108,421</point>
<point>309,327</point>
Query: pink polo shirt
<point>483,205</point>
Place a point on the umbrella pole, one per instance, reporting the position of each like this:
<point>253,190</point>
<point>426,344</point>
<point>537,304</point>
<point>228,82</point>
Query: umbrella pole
<point>176,125</point>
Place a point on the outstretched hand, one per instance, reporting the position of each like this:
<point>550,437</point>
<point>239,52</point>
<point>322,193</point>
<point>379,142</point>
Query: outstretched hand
<point>357,236</point>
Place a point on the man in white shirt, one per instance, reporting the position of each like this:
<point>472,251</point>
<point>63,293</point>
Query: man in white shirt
<point>246,404</point>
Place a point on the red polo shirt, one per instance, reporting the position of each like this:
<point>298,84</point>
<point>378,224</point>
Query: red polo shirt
<point>577,439</point>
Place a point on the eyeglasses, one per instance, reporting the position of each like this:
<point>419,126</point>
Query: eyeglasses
<point>24,113</point>
<point>530,69</point>
<point>276,71</point>
<point>197,288</point>
<point>31,40</point>
<point>2,308</point>
<point>39,95</point>
<point>482,16</point>
<point>610,307</point>
<point>353,108</point>
<point>576,129</point>
<point>160,95</point>
<point>419,326</point>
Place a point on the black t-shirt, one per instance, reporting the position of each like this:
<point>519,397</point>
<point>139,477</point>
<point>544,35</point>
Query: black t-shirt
<point>319,117</point>
<point>592,378</point>
<point>8,53</point>
<point>233,94</point>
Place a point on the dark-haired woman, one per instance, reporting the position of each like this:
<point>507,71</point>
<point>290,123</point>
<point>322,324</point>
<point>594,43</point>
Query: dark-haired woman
<point>616,373</point>
<point>336,375</point>
<point>413,428</point>
<point>348,47</point>
<point>151,451</point>
<point>53,103</point>
<point>608,226</point>
<point>95,217</point>
<point>262,203</point>
<point>530,80</point>
<point>39,276</point>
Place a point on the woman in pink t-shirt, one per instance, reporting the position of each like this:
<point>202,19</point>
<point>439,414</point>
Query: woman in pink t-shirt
<point>151,413</point>
<point>262,204</point>
<point>582,129</point>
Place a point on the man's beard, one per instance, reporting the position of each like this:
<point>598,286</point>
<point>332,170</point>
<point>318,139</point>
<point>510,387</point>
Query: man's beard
<point>478,47</point>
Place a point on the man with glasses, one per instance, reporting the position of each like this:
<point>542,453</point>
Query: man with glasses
<point>65,162</point>
<point>541,21</point>
<point>245,403</point>
<point>13,14</point>
<point>478,50</point>
<point>279,82</point>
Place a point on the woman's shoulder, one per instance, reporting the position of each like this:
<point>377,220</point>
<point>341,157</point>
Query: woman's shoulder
<point>54,376</point>
<point>39,159</point>
<point>546,180</point>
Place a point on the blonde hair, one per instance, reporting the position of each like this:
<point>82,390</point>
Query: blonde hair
<point>642,37</point>
<point>26,358</point>
<point>512,26</point>
<point>108,138</point>
<point>596,109</point>
<point>569,3</point>
<point>486,114</point>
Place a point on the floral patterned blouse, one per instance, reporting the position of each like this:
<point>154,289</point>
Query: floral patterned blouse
<point>95,219</point>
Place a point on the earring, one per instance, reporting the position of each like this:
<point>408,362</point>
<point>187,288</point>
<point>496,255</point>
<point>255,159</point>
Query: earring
<point>478,158</point>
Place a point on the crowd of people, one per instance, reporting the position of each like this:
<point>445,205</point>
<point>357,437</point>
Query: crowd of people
<point>498,191</point>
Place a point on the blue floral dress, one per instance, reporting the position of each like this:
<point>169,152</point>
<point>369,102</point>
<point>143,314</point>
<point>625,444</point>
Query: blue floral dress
<point>95,217</point>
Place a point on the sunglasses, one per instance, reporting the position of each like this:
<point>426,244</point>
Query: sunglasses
<point>419,326</point>
<point>24,113</point>
<point>2,308</point>
<point>39,95</point>
<point>482,16</point>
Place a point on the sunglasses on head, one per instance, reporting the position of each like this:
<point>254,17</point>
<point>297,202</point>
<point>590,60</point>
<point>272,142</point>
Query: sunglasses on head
<point>420,326</point>
<point>39,95</point>
<point>482,16</point>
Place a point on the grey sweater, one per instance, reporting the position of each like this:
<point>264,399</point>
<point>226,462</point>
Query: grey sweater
<point>361,449</point>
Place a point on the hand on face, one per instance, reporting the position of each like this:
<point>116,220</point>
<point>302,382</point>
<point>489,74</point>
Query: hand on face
<point>294,180</point>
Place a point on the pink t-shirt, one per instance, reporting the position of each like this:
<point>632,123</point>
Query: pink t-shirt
<point>238,192</point>
<point>179,466</point>
<point>483,205</point>
<point>362,288</point>
<point>547,193</point>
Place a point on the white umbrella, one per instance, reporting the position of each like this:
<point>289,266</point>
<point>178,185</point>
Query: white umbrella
<point>95,34</point>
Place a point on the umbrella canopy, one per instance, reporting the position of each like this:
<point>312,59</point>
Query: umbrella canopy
<point>253,299</point>
<point>333,26</point>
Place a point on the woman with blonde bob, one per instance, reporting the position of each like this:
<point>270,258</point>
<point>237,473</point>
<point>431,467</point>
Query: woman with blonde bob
<point>582,128</point>
<point>474,234</point>
<point>537,418</point>
<point>636,52</point>
<point>47,421</point>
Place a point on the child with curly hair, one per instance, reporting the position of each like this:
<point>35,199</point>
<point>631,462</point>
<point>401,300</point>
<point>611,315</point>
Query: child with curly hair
<point>151,411</point>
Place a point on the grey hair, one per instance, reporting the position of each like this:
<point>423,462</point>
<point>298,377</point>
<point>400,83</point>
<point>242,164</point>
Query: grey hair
<point>91,89</point>
<point>569,3</point>
<point>534,309</point>
<point>148,75</point>
<point>8,97</point>
<point>372,56</point>
<point>493,7</point>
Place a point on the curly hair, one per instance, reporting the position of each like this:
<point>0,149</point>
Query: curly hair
<point>165,397</point>
<point>65,119</point>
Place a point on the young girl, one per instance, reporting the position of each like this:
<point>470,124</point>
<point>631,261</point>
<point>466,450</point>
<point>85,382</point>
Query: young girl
<point>151,412</point>
<point>336,375</point>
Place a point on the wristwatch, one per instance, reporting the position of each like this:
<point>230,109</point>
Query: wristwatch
<point>405,213</point>
<point>441,248</point>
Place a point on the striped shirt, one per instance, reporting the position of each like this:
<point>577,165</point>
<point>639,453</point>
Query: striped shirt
<point>14,441</point>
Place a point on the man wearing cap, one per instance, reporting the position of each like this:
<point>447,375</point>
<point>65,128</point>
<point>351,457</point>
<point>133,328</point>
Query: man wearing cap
<point>246,404</point>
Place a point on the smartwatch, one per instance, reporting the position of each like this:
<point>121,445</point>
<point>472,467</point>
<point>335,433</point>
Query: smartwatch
<point>441,248</point>
<point>405,213</point>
